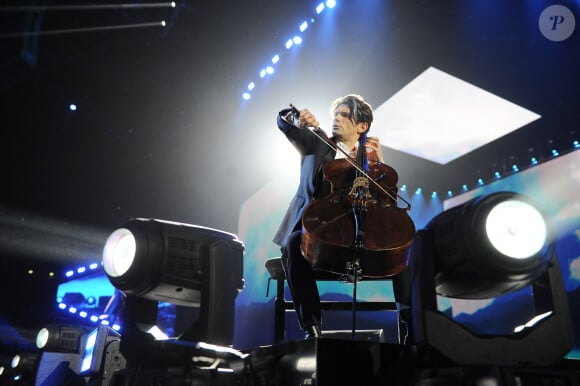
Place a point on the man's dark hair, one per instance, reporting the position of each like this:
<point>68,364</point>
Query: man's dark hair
<point>360,110</point>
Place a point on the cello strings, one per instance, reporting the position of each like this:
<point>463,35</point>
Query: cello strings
<point>360,169</point>
<point>327,141</point>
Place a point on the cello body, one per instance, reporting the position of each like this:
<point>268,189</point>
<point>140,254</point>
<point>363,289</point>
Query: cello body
<point>357,207</point>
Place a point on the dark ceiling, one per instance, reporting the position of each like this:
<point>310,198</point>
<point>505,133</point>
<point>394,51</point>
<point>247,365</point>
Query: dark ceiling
<point>161,130</point>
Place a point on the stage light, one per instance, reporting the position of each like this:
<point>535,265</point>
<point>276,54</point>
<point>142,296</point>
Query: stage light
<point>515,168</point>
<point>297,40</point>
<point>25,364</point>
<point>480,181</point>
<point>576,144</point>
<point>246,96</point>
<point>500,241</point>
<point>555,153</point>
<point>319,8</point>
<point>516,229</point>
<point>497,175</point>
<point>490,246</point>
<point>72,107</point>
<point>289,43</point>
<point>303,26</point>
<point>449,193</point>
<point>60,338</point>
<point>182,264</point>
<point>275,59</point>
<point>534,161</point>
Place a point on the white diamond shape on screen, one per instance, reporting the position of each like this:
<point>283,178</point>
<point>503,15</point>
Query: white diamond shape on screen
<point>439,117</point>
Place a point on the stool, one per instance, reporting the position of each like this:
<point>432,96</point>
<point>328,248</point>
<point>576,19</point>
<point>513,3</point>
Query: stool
<point>274,267</point>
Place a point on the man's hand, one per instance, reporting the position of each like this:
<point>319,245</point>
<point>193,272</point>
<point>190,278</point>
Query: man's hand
<point>307,119</point>
<point>374,149</point>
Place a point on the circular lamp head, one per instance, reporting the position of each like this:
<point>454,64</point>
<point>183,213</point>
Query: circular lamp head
<point>119,252</point>
<point>42,338</point>
<point>516,229</point>
<point>132,256</point>
<point>490,245</point>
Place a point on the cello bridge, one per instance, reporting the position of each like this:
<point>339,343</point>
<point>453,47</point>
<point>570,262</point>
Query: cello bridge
<point>358,184</point>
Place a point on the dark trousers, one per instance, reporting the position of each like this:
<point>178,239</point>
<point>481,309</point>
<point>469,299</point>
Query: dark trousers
<point>301,282</point>
<point>304,290</point>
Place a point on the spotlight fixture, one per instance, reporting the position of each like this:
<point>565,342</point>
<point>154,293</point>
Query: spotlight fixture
<point>25,365</point>
<point>489,246</point>
<point>60,338</point>
<point>155,261</point>
<point>500,240</point>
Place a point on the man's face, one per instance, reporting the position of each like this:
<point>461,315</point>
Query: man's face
<point>345,129</point>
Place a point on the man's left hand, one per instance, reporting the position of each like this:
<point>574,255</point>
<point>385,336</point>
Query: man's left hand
<point>374,149</point>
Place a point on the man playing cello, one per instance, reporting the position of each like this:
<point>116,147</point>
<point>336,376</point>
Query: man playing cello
<point>352,118</point>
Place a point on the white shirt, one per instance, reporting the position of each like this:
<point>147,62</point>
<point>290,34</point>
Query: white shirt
<point>344,147</point>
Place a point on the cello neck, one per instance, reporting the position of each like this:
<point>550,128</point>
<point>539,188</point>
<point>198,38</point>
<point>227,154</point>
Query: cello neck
<point>362,154</point>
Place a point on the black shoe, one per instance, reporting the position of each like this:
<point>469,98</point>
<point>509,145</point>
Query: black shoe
<point>313,331</point>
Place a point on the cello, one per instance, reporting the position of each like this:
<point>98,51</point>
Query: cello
<point>358,226</point>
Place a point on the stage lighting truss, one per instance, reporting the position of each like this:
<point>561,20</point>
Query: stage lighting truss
<point>491,245</point>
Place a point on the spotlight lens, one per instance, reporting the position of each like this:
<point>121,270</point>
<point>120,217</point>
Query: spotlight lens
<point>119,252</point>
<point>42,338</point>
<point>516,229</point>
